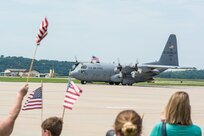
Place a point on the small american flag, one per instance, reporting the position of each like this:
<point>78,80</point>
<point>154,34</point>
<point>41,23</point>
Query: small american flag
<point>95,59</point>
<point>34,100</point>
<point>72,94</point>
<point>42,32</point>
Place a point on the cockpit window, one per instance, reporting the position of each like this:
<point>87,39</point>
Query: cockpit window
<point>83,67</point>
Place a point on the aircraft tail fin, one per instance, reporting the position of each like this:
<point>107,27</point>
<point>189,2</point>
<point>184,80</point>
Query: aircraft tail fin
<point>169,55</point>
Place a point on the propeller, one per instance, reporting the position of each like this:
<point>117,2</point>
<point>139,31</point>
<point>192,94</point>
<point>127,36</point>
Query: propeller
<point>119,67</point>
<point>76,63</point>
<point>136,65</point>
<point>76,59</point>
<point>136,69</point>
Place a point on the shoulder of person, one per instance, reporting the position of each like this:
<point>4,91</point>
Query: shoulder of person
<point>196,127</point>
<point>158,125</point>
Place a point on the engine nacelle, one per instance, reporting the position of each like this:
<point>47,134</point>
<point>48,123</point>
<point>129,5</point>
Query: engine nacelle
<point>144,69</point>
<point>133,74</point>
<point>116,70</point>
<point>155,71</point>
<point>136,73</point>
<point>116,78</point>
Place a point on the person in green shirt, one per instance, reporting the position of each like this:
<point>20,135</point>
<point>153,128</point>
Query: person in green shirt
<point>177,116</point>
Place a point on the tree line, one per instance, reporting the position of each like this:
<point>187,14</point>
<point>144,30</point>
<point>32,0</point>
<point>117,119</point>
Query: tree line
<point>188,74</point>
<point>61,68</point>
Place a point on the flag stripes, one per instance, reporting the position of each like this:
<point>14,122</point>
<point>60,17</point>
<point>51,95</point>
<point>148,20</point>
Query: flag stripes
<point>34,100</point>
<point>42,32</point>
<point>95,59</point>
<point>72,94</point>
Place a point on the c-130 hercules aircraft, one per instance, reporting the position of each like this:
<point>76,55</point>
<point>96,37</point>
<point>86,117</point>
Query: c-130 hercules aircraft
<point>128,75</point>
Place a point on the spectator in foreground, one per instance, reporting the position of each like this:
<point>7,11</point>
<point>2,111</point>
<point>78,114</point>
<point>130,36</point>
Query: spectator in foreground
<point>52,126</point>
<point>7,124</point>
<point>127,123</point>
<point>176,119</point>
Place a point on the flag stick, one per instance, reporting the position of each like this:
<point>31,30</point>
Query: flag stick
<point>63,114</point>
<point>42,102</point>
<point>31,65</point>
<point>142,117</point>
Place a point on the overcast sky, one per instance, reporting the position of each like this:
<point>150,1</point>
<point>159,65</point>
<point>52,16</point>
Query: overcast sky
<point>108,29</point>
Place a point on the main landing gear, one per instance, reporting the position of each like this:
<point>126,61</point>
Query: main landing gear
<point>83,82</point>
<point>118,83</point>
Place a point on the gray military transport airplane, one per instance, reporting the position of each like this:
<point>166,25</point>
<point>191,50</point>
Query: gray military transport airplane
<point>127,75</point>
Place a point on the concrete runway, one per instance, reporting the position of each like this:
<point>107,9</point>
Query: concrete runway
<point>95,111</point>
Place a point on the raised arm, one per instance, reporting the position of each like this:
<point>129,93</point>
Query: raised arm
<point>7,124</point>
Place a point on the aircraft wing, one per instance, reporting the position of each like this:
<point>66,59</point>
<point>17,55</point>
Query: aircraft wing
<point>145,68</point>
<point>169,67</point>
<point>161,66</point>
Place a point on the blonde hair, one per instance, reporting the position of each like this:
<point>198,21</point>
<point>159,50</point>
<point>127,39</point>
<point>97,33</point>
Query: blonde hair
<point>178,109</point>
<point>128,123</point>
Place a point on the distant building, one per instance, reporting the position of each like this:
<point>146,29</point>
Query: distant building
<point>46,75</point>
<point>33,73</point>
<point>14,72</point>
<point>24,73</point>
<point>52,73</point>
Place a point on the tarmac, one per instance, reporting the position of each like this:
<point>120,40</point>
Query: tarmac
<point>96,109</point>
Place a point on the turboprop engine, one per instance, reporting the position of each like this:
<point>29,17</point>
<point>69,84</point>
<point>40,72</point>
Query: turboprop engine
<point>116,78</point>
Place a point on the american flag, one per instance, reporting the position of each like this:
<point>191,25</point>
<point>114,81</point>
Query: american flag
<point>42,32</point>
<point>72,94</point>
<point>34,100</point>
<point>95,59</point>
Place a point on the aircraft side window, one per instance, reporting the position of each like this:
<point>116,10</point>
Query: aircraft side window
<point>84,67</point>
<point>82,71</point>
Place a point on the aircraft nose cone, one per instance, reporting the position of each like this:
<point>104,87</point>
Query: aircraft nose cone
<point>73,74</point>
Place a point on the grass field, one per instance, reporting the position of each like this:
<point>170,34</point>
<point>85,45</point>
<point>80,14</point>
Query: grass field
<point>158,81</point>
<point>24,79</point>
<point>174,82</point>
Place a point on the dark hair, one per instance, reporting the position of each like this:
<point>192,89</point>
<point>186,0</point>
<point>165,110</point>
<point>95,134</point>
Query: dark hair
<point>54,125</point>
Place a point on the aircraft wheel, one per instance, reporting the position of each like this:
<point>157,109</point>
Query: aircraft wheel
<point>123,84</point>
<point>117,83</point>
<point>111,83</point>
<point>130,84</point>
<point>83,82</point>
